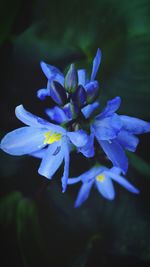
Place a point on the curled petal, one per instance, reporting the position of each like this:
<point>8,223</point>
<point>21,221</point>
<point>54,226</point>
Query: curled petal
<point>78,138</point>
<point>52,160</point>
<point>56,114</point>
<point>106,188</point>
<point>111,107</point>
<point>52,73</point>
<point>115,153</point>
<point>22,141</point>
<point>96,63</point>
<point>89,109</point>
<point>88,149</point>
<point>83,193</point>
<point>127,140</point>
<point>134,125</point>
<point>43,93</point>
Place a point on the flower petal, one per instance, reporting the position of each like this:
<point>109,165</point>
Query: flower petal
<point>127,140</point>
<point>65,148</point>
<point>39,154</point>
<point>35,121</point>
<point>134,125</point>
<point>83,193</point>
<point>56,114</point>
<point>96,63</point>
<point>89,109</point>
<point>51,160</point>
<point>24,140</point>
<point>81,77</point>
<point>52,73</point>
<point>122,181</point>
<point>115,153</point>
<point>43,93</point>
<point>92,89</point>
<point>106,188</point>
<point>107,128</point>
<point>111,107</point>
<point>88,149</point>
<point>78,138</point>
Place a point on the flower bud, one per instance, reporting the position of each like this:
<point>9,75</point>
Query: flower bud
<point>57,93</point>
<point>71,79</point>
<point>79,97</point>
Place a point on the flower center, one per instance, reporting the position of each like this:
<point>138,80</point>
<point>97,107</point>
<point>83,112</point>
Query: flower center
<point>100,178</point>
<point>51,137</point>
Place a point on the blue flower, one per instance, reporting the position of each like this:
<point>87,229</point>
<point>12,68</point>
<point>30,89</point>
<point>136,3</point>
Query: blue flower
<point>116,132</point>
<point>102,178</point>
<point>44,140</point>
<point>75,88</point>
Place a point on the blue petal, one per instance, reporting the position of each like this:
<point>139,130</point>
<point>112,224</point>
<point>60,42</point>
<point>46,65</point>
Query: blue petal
<point>71,110</point>
<point>51,160</point>
<point>92,89</point>
<point>107,128</point>
<point>89,109</point>
<point>35,121</point>
<point>79,97</point>
<point>122,181</point>
<point>23,141</point>
<point>115,153</point>
<point>81,77</point>
<point>127,140</point>
<point>56,114</point>
<point>116,170</point>
<point>83,193</point>
<point>65,148</point>
<point>111,107</point>
<point>78,138</point>
<point>106,188</point>
<point>134,125</point>
<point>43,93</point>
<point>88,149</point>
<point>52,73</point>
<point>74,180</point>
<point>39,154</point>
<point>58,93</point>
<point>96,63</point>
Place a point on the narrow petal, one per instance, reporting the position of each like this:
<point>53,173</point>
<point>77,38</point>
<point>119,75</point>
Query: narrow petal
<point>83,193</point>
<point>52,160</point>
<point>134,125</point>
<point>81,77</point>
<point>96,63</point>
<point>56,114</point>
<point>58,93</point>
<point>116,170</point>
<point>122,181</point>
<point>88,149</point>
<point>106,188</point>
<point>89,109</point>
<point>65,148</point>
<point>74,180</point>
<point>92,89</point>
<point>107,128</point>
<point>111,107</point>
<point>127,140</point>
<point>78,138</point>
<point>43,93</point>
<point>52,73</point>
<point>35,121</point>
<point>115,153</point>
<point>24,140</point>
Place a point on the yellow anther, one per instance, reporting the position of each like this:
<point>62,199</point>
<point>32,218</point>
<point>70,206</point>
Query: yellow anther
<point>51,137</point>
<point>100,178</point>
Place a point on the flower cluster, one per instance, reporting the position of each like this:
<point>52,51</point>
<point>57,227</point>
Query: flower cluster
<point>76,123</point>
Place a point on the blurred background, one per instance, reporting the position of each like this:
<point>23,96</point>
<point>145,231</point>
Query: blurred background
<point>38,224</point>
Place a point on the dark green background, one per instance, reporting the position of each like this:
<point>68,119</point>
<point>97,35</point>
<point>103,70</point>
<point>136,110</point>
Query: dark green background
<point>39,226</point>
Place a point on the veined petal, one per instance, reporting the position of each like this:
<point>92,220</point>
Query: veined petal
<point>24,140</point>
<point>115,153</point>
<point>81,77</point>
<point>43,93</point>
<point>127,140</point>
<point>65,148</point>
<point>78,138</point>
<point>88,149</point>
<point>56,114</point>
<point>122,181</point>
<point>106,188</point>
<point>52,160</point>
<point>35,121</point>
<point>107,128</point>
<point>134,125</point>
<point>111,107</point>
<point>89,109</point>
<point>83,193</point>
<point>96,63</point>
<point>52,73</point>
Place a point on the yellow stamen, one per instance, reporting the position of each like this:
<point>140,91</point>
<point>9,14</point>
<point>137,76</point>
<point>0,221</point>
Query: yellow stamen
<point>100,178</point>
<point>51,137</point>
